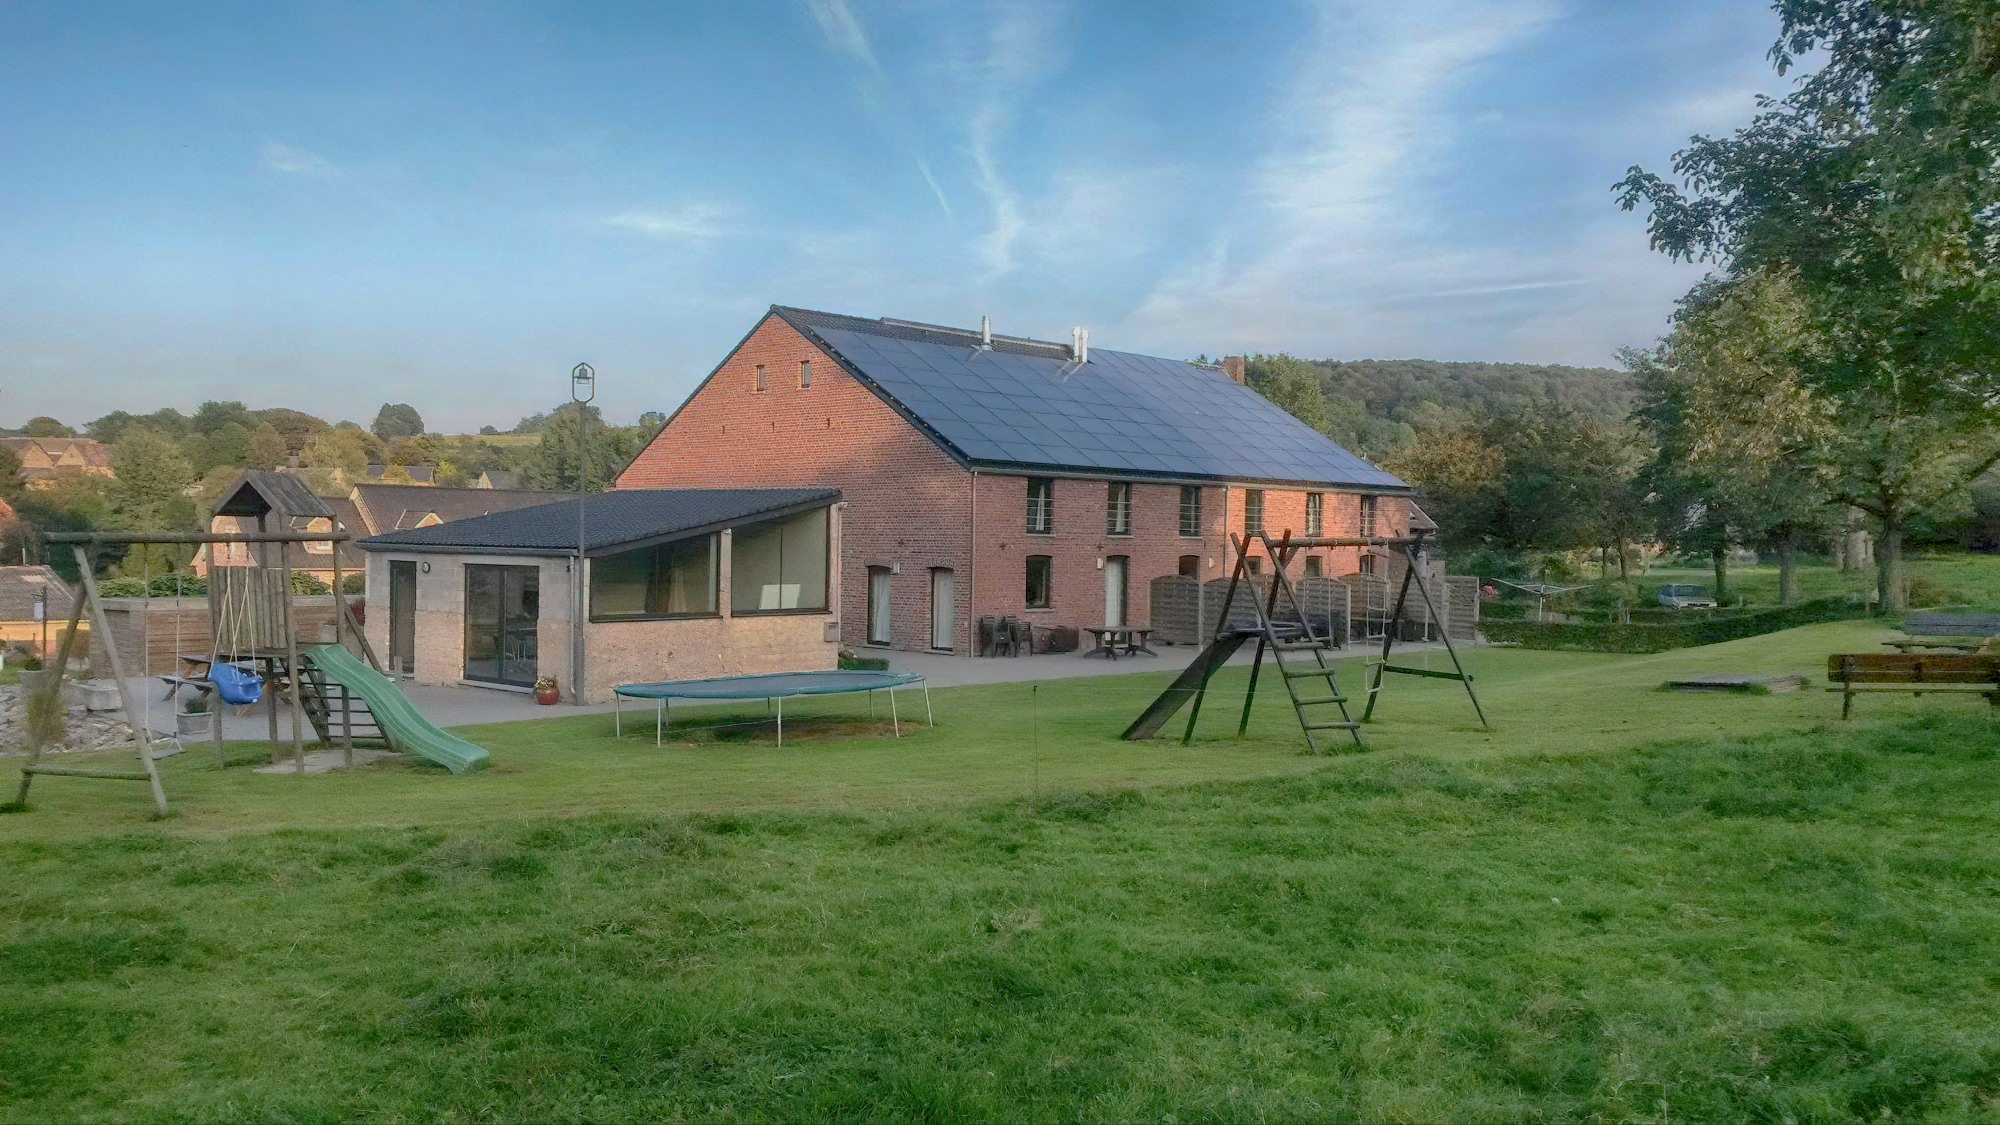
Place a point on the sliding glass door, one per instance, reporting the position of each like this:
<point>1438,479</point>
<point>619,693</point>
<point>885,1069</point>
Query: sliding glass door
<point>502,610</point>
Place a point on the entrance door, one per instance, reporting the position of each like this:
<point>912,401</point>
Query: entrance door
<point>402,618</point>
<point>1114,590</point>
<point>943,599</point>
<point>878,605</point>
<point>502,610</point>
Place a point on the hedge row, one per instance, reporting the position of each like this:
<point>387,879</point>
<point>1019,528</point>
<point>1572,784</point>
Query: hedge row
<point>1695,629</point>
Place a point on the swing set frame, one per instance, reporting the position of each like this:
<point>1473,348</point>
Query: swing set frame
<point>85,547</point>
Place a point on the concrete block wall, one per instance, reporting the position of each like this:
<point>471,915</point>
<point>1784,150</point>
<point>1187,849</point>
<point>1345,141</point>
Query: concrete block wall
<point>440,613</point>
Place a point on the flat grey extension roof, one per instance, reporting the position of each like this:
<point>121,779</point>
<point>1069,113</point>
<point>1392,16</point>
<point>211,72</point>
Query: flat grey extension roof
<point>612,521</point>
<point>1026,404</point>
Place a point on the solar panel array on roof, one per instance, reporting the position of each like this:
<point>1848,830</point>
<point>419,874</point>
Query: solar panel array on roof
<point>1120,412</point>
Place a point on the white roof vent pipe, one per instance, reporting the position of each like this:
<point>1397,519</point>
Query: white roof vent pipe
<point>1079,345</point>
<point>986,332</point>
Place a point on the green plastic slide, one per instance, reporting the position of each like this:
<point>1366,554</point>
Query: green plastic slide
<point>408,731</point>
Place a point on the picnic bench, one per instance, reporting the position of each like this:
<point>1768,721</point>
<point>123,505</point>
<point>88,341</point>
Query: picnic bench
<point>1951,631</point>
<point>1917,673</point>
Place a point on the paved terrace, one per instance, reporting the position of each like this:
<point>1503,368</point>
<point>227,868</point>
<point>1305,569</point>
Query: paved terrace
<point>464,706</point>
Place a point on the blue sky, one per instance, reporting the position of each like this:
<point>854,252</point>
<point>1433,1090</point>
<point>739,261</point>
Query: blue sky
<point>328,206</point>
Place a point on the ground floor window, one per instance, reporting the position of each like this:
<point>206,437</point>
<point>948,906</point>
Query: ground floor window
<point>779,565</point>
<point>1190,566</point>
<point>1312,566</point>
<point>665,580</point>
<point>1040,570</point>
<point>502,613</point>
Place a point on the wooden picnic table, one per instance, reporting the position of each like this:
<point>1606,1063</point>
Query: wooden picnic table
<point>1963,644</point>
<point>1115,641</point>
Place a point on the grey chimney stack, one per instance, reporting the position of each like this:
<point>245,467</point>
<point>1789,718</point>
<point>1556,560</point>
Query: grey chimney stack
<point>1233,365</point>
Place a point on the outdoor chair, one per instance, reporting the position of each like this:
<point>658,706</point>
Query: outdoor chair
<point>1004,642</point>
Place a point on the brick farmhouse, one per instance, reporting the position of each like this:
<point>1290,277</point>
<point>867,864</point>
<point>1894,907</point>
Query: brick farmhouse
<point>990,475</point>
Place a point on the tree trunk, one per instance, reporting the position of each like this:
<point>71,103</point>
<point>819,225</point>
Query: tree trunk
<point>1889,591</point>
<point>1788,569</point>
<point>1623,576</point>
<point>1720,556</point>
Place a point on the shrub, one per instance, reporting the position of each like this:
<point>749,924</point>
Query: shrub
<point>1688,632</point>
<point>303,583</point>
<point>353,583</point>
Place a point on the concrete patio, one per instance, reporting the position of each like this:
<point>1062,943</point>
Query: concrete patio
<point>455,705</point>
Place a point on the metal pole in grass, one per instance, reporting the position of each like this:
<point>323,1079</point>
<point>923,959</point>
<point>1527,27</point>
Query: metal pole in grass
<point>1035,725</point>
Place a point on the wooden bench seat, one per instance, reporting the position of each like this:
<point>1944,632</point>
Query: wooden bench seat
<point>1916,673</point>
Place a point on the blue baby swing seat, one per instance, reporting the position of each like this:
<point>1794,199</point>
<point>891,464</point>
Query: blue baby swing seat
<point>235,685</point>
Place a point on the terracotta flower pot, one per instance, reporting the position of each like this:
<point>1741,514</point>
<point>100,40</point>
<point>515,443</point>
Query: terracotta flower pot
<point>552,695</point>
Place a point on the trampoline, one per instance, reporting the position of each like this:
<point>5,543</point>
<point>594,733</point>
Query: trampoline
<point>770,687</point>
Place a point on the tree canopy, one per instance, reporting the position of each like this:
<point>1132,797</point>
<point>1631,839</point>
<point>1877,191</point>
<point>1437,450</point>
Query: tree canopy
<point>397,419</point>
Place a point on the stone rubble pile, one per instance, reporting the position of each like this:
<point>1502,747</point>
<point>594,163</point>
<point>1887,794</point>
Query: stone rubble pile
<point>83,729</point>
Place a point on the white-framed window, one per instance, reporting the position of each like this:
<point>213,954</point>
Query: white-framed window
<point>1315,513</point>
<point>1041,506</point>
<point>1253,511</point>
<point>1190,510</point>
<point>805,373</point>
<point>1367,522</point>
<point>759,382</point>
<point>1118,508</point>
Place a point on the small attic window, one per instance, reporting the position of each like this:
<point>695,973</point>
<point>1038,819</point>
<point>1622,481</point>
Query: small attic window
<point>805,373</point>
<point>759,383</point>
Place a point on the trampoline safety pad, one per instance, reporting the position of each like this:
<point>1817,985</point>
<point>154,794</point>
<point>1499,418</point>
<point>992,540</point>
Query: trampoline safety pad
<point>770,686</point>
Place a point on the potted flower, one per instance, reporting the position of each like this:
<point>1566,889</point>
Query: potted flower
<point>34,676</point>
<point>547,691</point>
<point>195,719</point>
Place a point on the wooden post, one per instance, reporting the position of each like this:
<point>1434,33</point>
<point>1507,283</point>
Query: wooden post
<point>52,695</point>
<point>216,705</point>
<point>292,665</point>
<point>142,741</point>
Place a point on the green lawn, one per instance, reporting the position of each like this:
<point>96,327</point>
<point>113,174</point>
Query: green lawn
<point>1956,579</point>
<point>1769,914</point>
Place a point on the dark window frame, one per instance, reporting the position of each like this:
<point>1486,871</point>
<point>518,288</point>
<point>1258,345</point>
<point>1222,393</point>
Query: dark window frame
<point>1191,511</point>
<point>1315,513</point>
<point>714,587</point>
<point>1253,511</point>
<point>1044,507</point>
<point>1118,507</point>
<point>1369,515</point>
<point>826,584</point>
<point>759,381</point>
<point>1048,566</point>
<point>805,374</point>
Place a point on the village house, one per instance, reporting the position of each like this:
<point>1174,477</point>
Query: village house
<point>673,584</point>
<point>993,475</point>
<point>47,460</point>
<point>34,608</point>
<point>277,500</point>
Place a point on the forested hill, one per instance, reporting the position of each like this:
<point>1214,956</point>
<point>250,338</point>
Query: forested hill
<point>1375,406</point>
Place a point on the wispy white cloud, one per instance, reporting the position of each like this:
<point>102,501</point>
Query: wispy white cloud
<point>1345,205</point>
<point>688,222</point>
<point>297,161</point>
<point>845,35</point>
<point>843,31</point>
<point>1004,64</point>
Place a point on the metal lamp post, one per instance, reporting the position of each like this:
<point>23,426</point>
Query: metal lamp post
<point>582,388</point>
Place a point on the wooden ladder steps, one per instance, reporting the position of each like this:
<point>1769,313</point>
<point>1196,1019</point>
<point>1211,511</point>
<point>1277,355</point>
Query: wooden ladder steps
<point>1317,700</point>
<point>1332,726</point>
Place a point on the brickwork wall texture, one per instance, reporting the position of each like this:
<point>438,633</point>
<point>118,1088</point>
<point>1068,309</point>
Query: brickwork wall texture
<point>911,508</point>
<point>908,503</point>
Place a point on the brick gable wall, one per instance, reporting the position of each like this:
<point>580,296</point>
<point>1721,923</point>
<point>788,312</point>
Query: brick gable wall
<point>908,502</point>
<point>911,507</point>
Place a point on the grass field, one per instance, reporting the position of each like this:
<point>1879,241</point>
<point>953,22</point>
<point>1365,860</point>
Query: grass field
<point>1769,915</point>
<point>502,440</point>
<point>1956,579</point>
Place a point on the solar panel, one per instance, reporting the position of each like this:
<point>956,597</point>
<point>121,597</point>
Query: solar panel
<point>1119,412</point>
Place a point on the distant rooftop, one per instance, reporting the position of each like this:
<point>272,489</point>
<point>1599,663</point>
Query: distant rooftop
<point>1026,404</point>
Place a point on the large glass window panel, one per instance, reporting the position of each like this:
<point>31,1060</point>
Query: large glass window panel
<point>665,580</point>
<point>779,565</point>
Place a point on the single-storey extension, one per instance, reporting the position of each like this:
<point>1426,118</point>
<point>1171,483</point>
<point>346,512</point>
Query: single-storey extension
<point>669,584</point>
